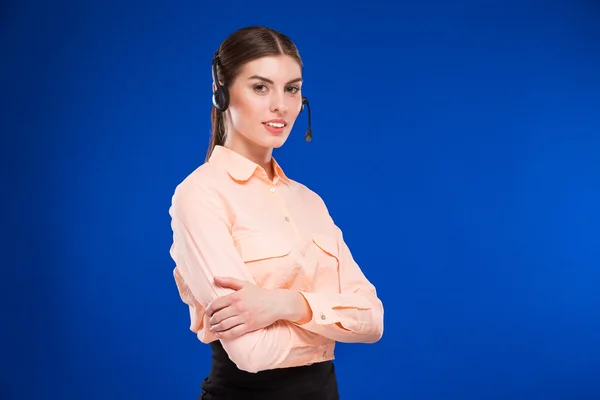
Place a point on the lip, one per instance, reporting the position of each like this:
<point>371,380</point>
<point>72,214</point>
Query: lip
<point>279,121</point>
<point>272,129</point>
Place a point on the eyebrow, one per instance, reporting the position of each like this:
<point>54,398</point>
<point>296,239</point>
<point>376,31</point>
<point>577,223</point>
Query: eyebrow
<point>271,82</point>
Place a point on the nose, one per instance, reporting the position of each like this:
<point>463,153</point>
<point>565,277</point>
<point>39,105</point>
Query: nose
<point>278,103</point>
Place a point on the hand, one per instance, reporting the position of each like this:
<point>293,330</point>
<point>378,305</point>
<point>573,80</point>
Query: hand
<point>249,308</point>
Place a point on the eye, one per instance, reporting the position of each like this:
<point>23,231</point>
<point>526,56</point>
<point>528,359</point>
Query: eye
<point>260,88</point>
<point>293,89</point>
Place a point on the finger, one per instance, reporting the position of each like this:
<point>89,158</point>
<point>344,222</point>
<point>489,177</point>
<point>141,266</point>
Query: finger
<point>231,283</point>
<point>223,314</point>
<point>227,324</point>
<point>234,332</point>
<point>219,304</point>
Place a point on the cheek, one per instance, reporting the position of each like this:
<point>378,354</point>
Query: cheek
<point>295,108</point>
<point>245,114</point>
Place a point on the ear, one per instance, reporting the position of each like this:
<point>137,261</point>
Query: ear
<point>214,87</point>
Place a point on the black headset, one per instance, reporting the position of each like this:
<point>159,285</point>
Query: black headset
<point>220,96</point>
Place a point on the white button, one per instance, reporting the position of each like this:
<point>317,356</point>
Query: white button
<point>272,189</point>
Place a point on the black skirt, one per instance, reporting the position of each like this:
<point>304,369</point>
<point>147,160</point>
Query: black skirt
<point>227,382</point>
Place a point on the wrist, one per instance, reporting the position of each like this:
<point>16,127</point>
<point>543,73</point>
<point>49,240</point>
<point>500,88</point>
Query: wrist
<point>296,309</point>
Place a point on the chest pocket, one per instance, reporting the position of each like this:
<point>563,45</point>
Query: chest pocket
<point>326,253</point>
<point>266,256</point>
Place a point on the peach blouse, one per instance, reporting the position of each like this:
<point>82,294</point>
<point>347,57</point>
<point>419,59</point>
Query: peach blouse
<point>230,220</point>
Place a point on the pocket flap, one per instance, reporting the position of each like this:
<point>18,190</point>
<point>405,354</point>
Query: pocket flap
<point>327,243</point>
<point>262,246</point>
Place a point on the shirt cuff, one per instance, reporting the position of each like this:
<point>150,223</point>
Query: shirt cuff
<point>322,313</point>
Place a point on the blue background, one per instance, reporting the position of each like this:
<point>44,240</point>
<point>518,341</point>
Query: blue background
<point>456,144</point>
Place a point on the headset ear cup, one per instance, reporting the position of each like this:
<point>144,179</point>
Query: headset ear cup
<point>221,98</point>
<point>308,136</point>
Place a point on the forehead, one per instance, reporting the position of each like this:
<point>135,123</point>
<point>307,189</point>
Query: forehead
<point>277,68</point>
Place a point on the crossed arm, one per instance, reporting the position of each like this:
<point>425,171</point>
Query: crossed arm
<point>258,336</point>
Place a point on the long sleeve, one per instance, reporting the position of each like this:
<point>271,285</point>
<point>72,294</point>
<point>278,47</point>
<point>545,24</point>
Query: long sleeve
<point>203,248</point>
<point>229,219</point>
<point>355,313</point>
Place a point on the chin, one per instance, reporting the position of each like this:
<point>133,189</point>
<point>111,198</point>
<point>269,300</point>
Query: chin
<point>275,141</point>
<point>278,144</point>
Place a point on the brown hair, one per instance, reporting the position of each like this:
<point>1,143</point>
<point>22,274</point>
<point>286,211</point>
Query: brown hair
<point>242,46</point>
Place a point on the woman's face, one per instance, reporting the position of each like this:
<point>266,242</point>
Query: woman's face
<point>265,100</point>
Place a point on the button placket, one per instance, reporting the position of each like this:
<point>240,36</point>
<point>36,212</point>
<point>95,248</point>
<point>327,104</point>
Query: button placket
<point>288,220</point>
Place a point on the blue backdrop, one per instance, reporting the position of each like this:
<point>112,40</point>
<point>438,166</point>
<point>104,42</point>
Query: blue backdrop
<point>456,144</point>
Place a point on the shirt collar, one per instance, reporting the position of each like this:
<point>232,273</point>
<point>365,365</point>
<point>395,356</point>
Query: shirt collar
<point>240,168</point>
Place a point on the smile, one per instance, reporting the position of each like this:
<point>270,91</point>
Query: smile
<point>275,127</point>
<point>275,124</point>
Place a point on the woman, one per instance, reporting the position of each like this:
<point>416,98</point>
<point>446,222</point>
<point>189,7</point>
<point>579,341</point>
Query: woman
<point>268,278</point>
